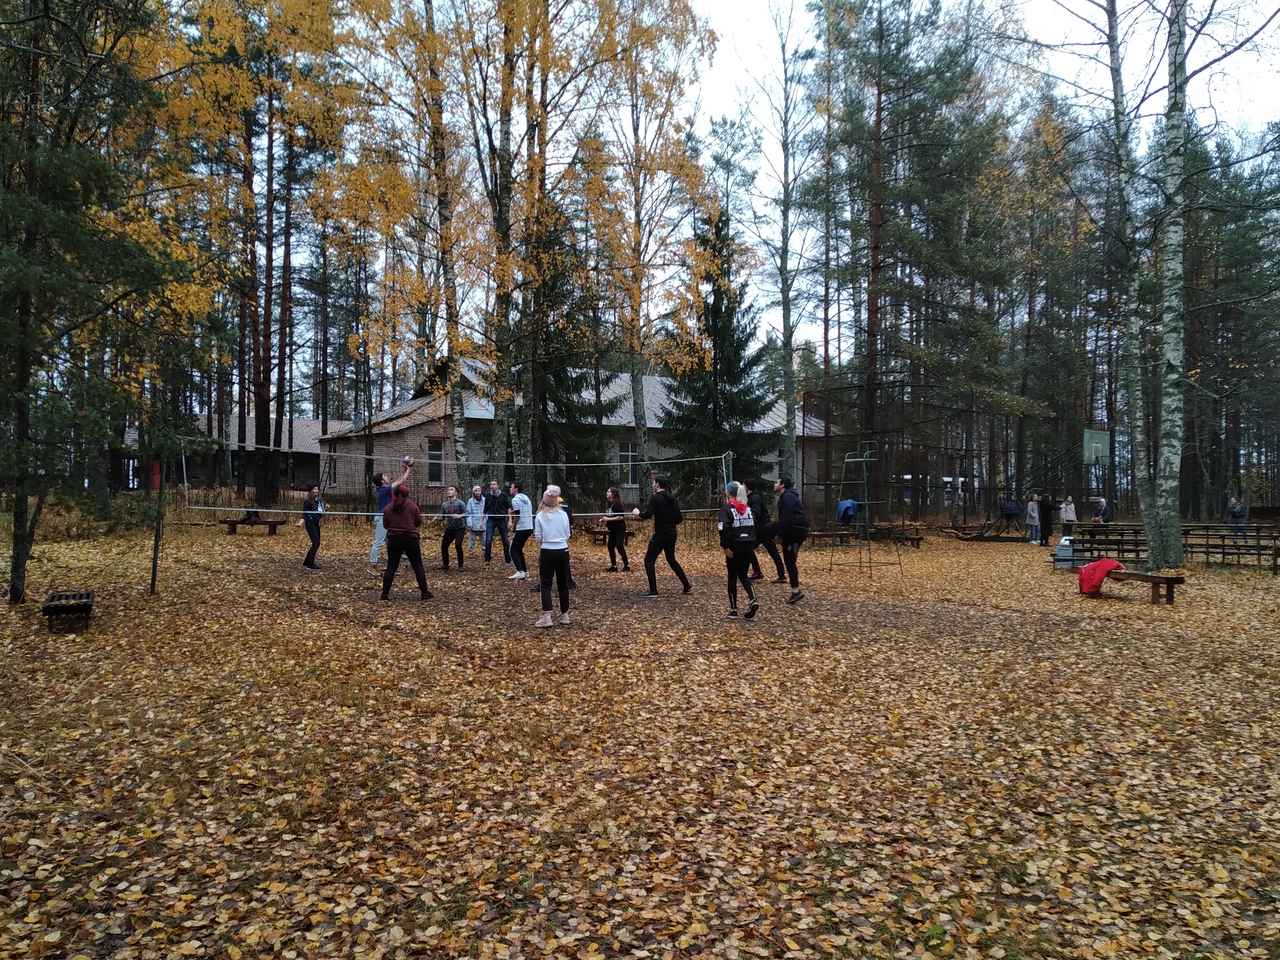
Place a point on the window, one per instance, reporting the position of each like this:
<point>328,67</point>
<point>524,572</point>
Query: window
<point>435,460</point>
<point>629,461</point>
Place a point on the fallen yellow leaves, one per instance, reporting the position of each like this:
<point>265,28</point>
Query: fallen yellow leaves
<point>961,759</point>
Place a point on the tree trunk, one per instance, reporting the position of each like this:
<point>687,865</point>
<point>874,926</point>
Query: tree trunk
<point>1164,526</point>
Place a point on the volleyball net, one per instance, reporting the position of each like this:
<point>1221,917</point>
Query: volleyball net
<point>345,480</point>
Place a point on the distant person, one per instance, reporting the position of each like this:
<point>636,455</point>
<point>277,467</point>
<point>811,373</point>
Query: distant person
<point>1102,512</point>
<point>402,519</point>
<point>615,525</point>
<point>552,527</point>
<point>665,511</point>
<point>520,526</point>
<point>312,512</point>
<point>789,531</point>
<point>1068,515</point>
<point>382,497</point>
<point>1033,519</point>
<point>737,527</point>
<point>475,520</point>
<point>760,510</point>
<point>497,504</point>
<point>1047,507</point>
<point>453,514</point>
<point>1235,519</point>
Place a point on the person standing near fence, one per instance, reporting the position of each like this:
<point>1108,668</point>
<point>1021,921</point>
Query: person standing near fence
<point>615,525</point>
<point>553,529</point>
<point>453,514</point>
<point>664,508</point>
<point>737,528</point>
<point>475,520</point>
<point>520,526</point>
<point>497,505</point>
<point>383,500</point>
<point>312,511</point>
<point>1033,518</point>
<point>402,519</point>
<point>1235,518</point>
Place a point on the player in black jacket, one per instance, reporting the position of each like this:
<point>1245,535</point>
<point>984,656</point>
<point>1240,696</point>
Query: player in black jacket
<point>665,510</point>
<point>760,511</point>
<point>789,530</point>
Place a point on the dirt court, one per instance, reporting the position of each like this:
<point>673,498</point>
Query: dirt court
<point>958,757</point>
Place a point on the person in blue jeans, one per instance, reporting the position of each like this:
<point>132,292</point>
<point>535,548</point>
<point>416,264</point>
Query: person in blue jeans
<point>383,494</point>
<point>497,504</point>
<point>475,520</point>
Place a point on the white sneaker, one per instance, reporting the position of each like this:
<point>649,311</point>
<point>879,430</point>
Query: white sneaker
<point>564,619</point>
<point>543,621</point>
<point>518,575</point>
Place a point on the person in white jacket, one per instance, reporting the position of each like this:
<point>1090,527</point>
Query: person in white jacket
<point>552,529</point>
<point>1033,518</point>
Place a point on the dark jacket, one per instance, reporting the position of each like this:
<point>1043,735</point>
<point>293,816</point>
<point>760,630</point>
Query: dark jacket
<point>312,511</point>
<point>404,521</point>
<point>759,510</point>
<point>665,510</point>
<point>737,527</point>
<point>791,514</point>
<point>496,506</point>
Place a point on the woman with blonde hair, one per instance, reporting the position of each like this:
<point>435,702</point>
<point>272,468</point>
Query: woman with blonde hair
<point>737,528</point>
<point>552,529</point>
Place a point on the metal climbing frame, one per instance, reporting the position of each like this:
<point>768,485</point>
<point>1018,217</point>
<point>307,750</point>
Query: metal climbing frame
<point>855,485</point>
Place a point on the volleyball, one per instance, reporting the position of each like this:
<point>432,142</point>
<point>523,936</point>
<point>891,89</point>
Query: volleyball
<point>407,461</point>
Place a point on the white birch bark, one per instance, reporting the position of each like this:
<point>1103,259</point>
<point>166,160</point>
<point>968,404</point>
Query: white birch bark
<point>1164,525</point>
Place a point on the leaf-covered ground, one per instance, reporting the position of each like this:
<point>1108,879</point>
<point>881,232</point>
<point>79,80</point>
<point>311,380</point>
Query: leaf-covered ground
<point>959,758</point>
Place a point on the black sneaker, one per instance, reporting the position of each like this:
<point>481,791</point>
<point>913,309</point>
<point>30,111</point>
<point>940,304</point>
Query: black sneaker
<point>796,596</point>
<point>649,594</point>
<point>778,580</point>
<point>731,615</point>
<point>384,597</point>
<point>688,588</point>
<point>752,610</point>
<point>611,570</point>
<point>426,595</point>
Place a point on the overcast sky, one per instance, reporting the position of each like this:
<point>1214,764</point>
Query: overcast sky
<point>1243,92</point>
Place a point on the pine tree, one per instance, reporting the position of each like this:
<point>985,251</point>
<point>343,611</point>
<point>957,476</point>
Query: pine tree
<point>717,406</point>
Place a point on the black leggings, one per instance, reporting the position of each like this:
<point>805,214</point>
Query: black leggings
<point>618,544</point>
<point>739,568</point>
<point>403,545</point>
<point>313,531</point>
<point>554,564</point>
<point>517,549</point>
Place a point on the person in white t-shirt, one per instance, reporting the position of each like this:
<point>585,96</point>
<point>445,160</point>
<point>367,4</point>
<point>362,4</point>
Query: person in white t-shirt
<point>520,526</point>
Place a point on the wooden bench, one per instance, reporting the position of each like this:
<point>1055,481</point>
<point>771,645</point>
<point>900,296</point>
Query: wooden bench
<point>68,611</point>
<point>832,536</point>
<point>911,539</point>
<point>1169,581</point>
<point>231,525</point>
